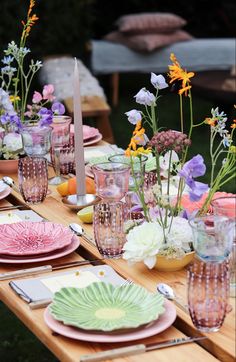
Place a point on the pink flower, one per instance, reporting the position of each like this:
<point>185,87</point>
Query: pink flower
<point>37,97</point>
<point>194,206</point>
<point>48,92</point>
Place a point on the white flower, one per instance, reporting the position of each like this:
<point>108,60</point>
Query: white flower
<point>168,165</point>
<point>143,243</point>
<point>145,97</point>
<point>13,142</point>
<point>180,233</point>
<point>134,116</point>
<point>158,81</point>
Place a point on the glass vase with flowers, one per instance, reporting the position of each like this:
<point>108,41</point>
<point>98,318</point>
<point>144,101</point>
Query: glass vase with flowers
<point>17,117</point>
<point>176,196</point>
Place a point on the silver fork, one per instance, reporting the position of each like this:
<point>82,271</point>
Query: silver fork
<point>127,282</point>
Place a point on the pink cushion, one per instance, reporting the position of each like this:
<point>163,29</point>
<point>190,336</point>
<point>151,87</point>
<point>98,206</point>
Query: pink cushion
<point>150,23</point>
<point>147,42</point>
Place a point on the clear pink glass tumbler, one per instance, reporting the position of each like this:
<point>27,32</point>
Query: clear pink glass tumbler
<point>111,180</point>
<point>207,294</point>
<point>33,179</point>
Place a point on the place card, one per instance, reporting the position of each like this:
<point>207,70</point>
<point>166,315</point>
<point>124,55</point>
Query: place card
<point>9,218</point>
<point>78,279</point>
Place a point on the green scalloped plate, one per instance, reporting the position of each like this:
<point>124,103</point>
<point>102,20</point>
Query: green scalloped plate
<point>105,307</point>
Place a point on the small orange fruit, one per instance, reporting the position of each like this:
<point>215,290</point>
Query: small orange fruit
<point>89,183</point>
<point>63,189</point>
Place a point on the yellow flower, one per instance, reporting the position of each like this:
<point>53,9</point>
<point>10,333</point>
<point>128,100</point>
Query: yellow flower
<point>14,98</point>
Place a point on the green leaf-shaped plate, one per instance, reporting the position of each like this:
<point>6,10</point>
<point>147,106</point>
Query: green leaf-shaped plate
<point>105,307</point>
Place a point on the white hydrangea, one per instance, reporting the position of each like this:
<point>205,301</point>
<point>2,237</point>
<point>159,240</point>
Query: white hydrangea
<point>13,142</point>
<point>143,243</point>
<point>180,233</point>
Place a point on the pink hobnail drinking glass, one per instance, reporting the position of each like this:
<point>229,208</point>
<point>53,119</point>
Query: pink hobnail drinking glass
<point>33,179</point>
<point>226,206</point>
<point>108,226</point>
<point>207,294</point>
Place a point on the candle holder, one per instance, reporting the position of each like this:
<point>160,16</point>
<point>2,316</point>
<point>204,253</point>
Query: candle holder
<point>77,202</point>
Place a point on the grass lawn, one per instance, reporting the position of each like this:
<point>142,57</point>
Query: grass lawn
<point>16,342</point>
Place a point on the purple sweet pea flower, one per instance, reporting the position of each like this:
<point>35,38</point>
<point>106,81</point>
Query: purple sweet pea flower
<point>194,168</point>
<point>197,190</point>
<point>45,116</point>
<point>158,81</point>
<point>11,119</point>
<point>134,116</point>
<point>58,108</point>
<point>145,97</point>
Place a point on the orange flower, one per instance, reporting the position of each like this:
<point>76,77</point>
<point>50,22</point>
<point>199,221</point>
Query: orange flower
<point>210,121</point>
<point>178,74</point>
<point>30,20</point>
<point>233,125</point>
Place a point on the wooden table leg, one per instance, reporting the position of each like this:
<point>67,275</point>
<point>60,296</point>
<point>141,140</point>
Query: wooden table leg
<point>104,126</point>
<point>115,88</point>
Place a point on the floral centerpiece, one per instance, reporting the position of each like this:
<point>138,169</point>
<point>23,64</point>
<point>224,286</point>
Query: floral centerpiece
<point>16,77</point>
<point>167,204</point>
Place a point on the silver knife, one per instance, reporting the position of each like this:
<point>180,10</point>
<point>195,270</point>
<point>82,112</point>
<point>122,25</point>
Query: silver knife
<point>44,269</point>
<point>136,349</point>
<point>11,207</point>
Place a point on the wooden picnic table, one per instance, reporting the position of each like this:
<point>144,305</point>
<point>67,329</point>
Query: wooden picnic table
<point>219,345</point>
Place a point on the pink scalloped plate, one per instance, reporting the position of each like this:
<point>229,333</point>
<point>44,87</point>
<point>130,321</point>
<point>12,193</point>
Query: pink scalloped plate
<point>158,326</point>
<point>32,238</point>
<point>88,132</point>
<point>93,140</point>
<point>75,242</point>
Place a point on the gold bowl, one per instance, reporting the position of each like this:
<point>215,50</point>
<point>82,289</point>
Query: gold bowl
<point>173,264</point>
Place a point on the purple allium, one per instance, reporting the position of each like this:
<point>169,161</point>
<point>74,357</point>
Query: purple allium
<point>169,140</point>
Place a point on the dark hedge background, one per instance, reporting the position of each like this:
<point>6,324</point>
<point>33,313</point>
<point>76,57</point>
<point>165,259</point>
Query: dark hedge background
<point>65,26</point>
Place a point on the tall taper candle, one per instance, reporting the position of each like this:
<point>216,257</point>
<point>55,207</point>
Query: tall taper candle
<point>78,134</point>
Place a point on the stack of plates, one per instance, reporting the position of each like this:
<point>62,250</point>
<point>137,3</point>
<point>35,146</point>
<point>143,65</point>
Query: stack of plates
<point>102,312</point>
<point>27,242</point>
<point>91,135</point>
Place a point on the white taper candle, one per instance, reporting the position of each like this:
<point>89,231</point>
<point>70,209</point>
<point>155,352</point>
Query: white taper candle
<point>78,134</point>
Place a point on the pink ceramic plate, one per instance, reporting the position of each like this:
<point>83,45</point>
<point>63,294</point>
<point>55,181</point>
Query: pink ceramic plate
<point>75,242</point>
<point>32,238</point>
<point>88,132</point>
<point>162,323</point>
<point>88,171</point>
<point>93,140</point>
